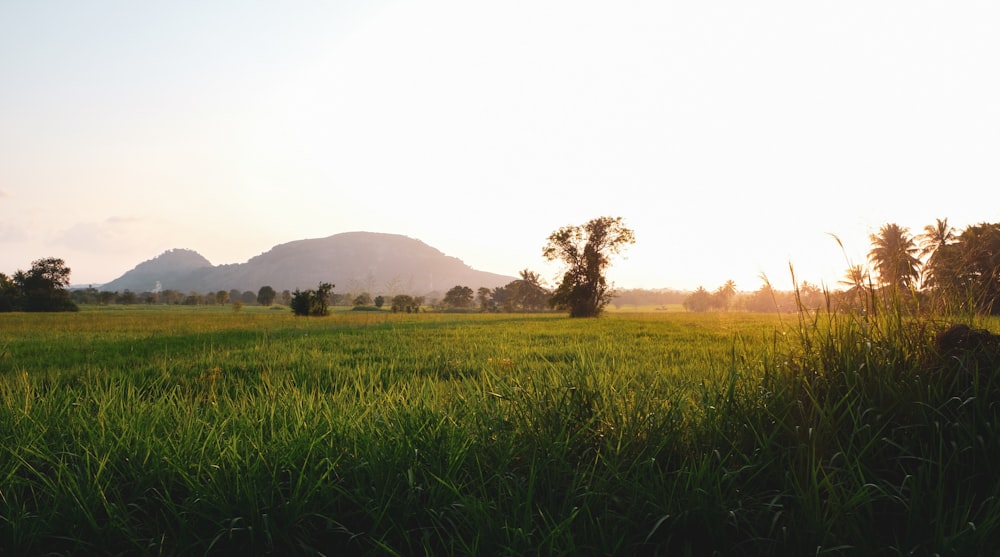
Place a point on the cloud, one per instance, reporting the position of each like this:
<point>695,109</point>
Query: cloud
<point>4,194</point>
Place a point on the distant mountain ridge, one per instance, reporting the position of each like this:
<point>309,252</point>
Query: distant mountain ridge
<point>354,261</point>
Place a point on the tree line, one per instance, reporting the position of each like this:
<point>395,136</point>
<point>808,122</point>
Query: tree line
<point>940,269</point>
<point>583,291</point>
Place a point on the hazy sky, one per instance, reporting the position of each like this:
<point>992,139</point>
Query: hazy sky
<point>731,136</point>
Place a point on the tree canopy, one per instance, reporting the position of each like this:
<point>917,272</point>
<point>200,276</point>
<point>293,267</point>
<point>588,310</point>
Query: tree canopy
<point>586,250</point>
<point>312,302</point>
<point>963,272</point>
<point>42,288</point>
<point>894,256</point>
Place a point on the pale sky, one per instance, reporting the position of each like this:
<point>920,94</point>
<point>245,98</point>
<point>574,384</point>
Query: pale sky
<point>733,137</point>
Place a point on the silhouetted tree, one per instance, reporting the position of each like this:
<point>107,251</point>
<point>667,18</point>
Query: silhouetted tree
<point>527,293</point>
<point>312,302</point>
<point>500,299</point>
<point>265,295</point>
<point>724,295</point>
<point>966,272</point>
<point>9,294</point>
<point>42,288</point>
<point>699,300</point>
<point>586,251</point>
<point>894,257</point>
<point>379,301</point>
<point>483,297</point>
<point>459,297</point>
<point>407,303</point>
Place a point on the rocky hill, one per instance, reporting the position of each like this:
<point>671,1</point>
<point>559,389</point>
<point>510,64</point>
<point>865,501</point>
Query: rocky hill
<point>353,261</point>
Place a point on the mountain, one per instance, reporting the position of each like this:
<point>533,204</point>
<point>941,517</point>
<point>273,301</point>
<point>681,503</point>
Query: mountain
<point>353,261</point>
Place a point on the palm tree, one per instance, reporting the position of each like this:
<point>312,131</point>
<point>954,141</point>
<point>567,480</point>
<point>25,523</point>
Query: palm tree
<point>893,255</point>
<point>935,236</point>
<point>724,294</point>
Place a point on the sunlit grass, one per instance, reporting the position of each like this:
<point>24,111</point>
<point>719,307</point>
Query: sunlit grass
<point>185,431</point>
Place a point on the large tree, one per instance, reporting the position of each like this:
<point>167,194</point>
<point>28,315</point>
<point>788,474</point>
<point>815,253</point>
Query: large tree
<point>934,237</point>
<point>42,288</point>
<point>894,256</point>
<point>266,295</point>
<point>459,297</point>
<point>586,250</point>
<point>966,272</point>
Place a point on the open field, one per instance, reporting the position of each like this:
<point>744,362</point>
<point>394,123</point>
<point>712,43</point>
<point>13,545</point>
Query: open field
<point>176,430</point>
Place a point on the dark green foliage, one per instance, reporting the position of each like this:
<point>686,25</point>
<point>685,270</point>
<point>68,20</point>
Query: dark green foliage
<point>406,303</point>
<point>311,302</point>
<point>965,273</point>
<point>42,288</point>
<point>266,295</point>
<point>459,297</point>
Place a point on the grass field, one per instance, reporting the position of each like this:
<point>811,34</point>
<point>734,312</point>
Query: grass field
<point>179,431</point>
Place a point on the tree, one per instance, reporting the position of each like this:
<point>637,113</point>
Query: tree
<point>699,300</point>
<point>894,256</point>
<point>8,294</point>
<point>42,288</point>
<point>723,295</point>
<point>527,293</point>
<point>586,251</point>
<point>379,301</point>
<point>935,237</point>
<point>500,299</point>
<point>407,303</point>
<point>363,299</point>
<point>459,297</point>
<point>483,297</point>
<point>312,302</point>
<point>965,273</point>
<point>222,297</point>
<point>266,295</point>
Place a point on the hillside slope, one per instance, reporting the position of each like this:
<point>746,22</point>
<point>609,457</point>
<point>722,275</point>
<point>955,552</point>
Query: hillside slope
<point>353,261</point>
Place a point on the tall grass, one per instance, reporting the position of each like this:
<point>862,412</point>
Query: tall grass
<point>214,432</point>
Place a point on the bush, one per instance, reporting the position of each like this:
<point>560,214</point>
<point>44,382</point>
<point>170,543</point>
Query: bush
<point>312,302</point>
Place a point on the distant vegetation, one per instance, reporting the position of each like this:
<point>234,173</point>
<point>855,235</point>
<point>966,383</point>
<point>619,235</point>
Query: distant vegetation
<point>41,288</point>
<point>938,270</point>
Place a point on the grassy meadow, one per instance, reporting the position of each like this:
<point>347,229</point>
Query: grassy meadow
<point>180,431</point>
